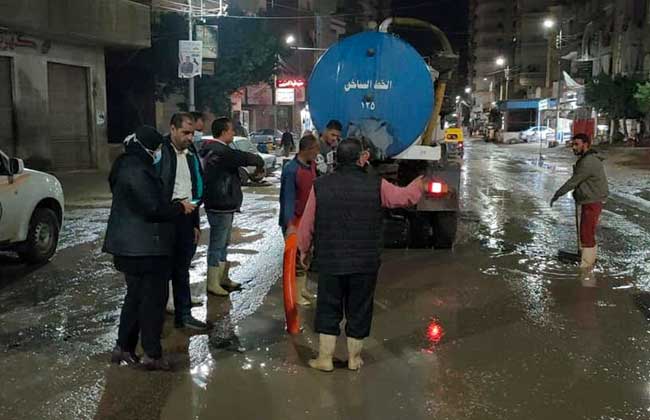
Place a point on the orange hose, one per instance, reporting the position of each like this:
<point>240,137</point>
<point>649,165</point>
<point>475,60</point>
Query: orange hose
<point>289,283</point>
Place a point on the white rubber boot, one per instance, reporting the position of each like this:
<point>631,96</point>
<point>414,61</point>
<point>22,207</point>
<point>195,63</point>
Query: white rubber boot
<point>326,346</point>
<point>354,353</point>
<point>213,282</point>
<point>169,308</point>
<point>588,257</point>
<point>301,284</point>
<point>225,281</point>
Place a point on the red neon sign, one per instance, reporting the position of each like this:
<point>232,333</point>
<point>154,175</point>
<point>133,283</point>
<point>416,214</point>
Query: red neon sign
<point>290,83</point>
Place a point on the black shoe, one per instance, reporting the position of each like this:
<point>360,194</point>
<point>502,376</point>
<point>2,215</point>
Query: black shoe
<point>192,324</point>
<point>118,356</point>
<point>155,364</point>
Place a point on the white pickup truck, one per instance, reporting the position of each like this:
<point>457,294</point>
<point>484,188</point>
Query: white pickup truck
<point>31,211</point>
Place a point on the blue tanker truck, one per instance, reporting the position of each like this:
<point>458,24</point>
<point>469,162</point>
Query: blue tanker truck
<point>381,88</point>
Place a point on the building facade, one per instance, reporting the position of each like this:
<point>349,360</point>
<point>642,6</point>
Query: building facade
<point>492,29</point>
<point>53,106</point>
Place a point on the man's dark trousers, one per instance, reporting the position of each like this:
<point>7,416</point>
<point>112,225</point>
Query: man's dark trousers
<point>184,249</point>
<point>351,295</point>
<point>143,311</point>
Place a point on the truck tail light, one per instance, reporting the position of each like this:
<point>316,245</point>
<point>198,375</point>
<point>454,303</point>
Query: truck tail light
<point>437,189</point>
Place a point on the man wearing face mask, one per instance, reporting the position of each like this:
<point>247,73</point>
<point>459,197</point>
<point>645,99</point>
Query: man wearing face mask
<point>590,191</point>
<point>182,177</point>
<point>140,236</point>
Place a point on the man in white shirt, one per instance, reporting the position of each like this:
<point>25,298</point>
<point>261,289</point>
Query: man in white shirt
<point>182,177</point>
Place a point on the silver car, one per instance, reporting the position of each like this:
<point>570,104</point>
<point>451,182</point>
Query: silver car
<point>250,173</point>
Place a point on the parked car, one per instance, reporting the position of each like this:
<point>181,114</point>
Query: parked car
<point>266,139</point>
<point>536,133</point>
<point>31,211</point>
<point>250,173</point>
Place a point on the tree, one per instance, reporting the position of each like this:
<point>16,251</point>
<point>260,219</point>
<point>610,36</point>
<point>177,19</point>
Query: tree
<point>642,97</point>
<point>248,54</point>
<point>613,96</point>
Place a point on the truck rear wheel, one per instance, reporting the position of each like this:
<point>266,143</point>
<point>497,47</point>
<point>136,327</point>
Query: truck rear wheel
<point>421,231</point>
<point>444,225</point>
<point>42,238</point>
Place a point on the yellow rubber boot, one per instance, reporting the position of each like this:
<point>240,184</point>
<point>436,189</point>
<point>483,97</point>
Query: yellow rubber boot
<point>225,281</point>
<point>213,282</point>
<point>301,284</point>
<point>354,353</point>
<point>326,346</point>
<point>588,257</point>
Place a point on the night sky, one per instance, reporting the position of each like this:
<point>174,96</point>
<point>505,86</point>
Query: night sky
<point>451,16</point>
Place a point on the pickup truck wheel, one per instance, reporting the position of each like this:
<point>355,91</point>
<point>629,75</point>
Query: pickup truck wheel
<point>42,238</point>
<point>444,224</point>
<point>244,177</point>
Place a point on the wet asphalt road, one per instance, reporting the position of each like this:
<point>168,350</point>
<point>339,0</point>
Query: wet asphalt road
<point>495,329</point>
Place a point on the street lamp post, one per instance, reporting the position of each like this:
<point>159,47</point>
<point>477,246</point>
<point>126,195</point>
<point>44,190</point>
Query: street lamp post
<point>500,61</point>
<point>549,24</point>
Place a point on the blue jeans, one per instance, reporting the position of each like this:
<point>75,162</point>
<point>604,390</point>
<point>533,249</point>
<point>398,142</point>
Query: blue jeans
<point>220,230</point>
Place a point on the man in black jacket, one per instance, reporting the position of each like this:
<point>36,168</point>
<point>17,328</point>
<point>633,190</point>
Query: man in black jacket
<point>182,177</point>
<point>140,236</point>
<point>223,197</point>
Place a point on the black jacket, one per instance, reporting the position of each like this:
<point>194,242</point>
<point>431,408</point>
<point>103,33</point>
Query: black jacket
<point>166,168</point>
<point>348,226</point>
<point>222,183</point>
<point>139,223</point>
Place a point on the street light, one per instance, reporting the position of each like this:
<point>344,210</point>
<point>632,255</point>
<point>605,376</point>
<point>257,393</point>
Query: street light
<point>468,90</point>
<point>290,39</point>
<point>549,23</point>
<point>500,61</point>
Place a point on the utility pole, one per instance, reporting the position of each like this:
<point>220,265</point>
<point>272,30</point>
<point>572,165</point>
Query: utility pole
<point>559,82</point>
<point>507,74</point>
<point>191,100</point>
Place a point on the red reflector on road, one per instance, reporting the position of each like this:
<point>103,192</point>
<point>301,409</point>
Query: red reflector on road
<point>434,332</point>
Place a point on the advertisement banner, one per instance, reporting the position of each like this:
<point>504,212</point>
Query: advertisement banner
<point>284,96</point>
<point>190,61</point>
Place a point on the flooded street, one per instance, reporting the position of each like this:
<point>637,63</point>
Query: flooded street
<point>498,328</point>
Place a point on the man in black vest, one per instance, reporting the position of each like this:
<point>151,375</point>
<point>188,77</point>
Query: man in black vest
<point>344,218</point>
